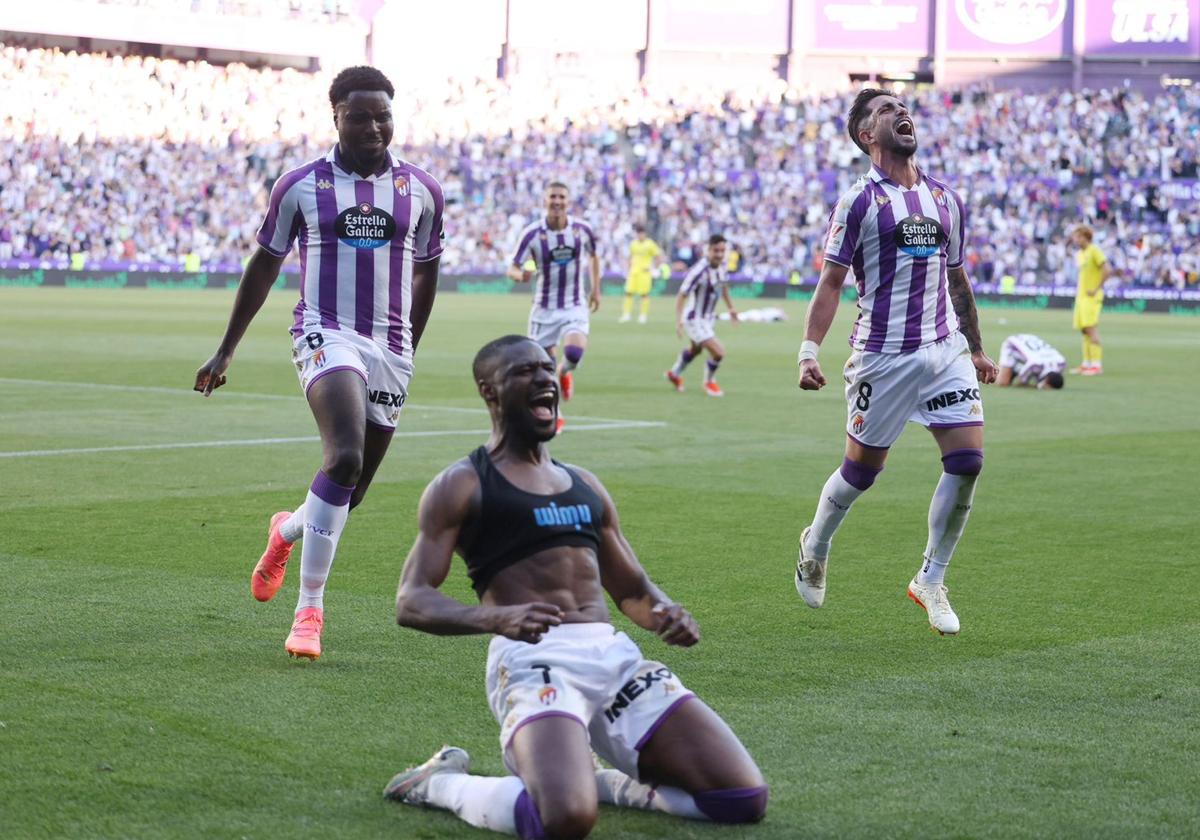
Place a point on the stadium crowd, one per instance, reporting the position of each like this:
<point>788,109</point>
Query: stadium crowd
<point>140,159</point>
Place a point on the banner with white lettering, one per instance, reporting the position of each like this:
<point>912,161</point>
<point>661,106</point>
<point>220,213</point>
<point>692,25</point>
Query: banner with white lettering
<point>1142,28</point>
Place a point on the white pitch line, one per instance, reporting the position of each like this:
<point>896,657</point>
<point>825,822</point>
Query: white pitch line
<point>154,389</point>
<point>205,444</point>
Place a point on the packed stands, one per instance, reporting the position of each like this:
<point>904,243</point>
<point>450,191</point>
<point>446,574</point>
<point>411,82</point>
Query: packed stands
<point>139,159</point>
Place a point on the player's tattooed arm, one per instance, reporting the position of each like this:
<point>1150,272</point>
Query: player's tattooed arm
<point>963,300</point>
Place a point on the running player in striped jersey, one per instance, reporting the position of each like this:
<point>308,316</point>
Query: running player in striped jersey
<point>554,248</point>
<point>1027,360</point>
<point>696,314</point>
<point>369,226</point>
<point>917,353</point>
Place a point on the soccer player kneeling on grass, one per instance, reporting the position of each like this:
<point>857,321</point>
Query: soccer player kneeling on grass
<point>696,315</point>
<point>917,354</point>
<point>1028,360</point>
<point>542,544</point>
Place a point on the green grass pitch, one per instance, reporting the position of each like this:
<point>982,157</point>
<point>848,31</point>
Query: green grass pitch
<point>144,694</point>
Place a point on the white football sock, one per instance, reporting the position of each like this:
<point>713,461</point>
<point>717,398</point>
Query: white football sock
<point>483,801</point>
<point>948,512</point>
<point>615,788</point>
<point>293,528</point>
<point>836,497</point>
<point>325,512</point>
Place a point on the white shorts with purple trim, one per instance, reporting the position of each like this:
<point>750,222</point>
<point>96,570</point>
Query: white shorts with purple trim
<point>935,386</point>
<point>548,326</point>
<point>386,374</point>
<point>700,330</point>
<point>591,673</point>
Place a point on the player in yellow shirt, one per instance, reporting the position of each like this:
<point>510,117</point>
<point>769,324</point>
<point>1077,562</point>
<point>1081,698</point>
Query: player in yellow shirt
<point>1094,269</point>
<point>644,256</point>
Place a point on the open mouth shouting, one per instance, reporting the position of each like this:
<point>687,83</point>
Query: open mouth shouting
<point>904,127</point>
<point>544,404</point>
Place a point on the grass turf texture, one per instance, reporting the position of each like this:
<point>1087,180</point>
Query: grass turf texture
<point>145,694</point>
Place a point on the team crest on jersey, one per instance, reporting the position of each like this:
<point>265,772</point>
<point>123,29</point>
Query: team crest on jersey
<point>882,200</point>
<point>401,187</point>
<point>939,196</point>
<point>858,423</point>
<point>324,185</point>
<point>919,236</point>
<point>364,226</point>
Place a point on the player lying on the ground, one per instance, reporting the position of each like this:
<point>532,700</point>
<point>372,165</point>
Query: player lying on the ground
<point>696,315</point>
<point>542,544</point>
<point>1027,360</point>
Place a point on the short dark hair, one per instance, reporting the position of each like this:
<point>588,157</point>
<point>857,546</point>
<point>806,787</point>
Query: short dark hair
<point>358,78</point>
<point>485,359</point>
<point>716,239</point>
<point>557,184</point>
<point>639,228</point>
<point>1054,379</point>
<point>858,111</point>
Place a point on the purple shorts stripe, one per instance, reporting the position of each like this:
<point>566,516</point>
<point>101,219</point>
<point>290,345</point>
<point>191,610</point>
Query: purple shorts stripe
<point>328,490</point>
<point>670,710</point>
<point>328,371</point>
<point>327,270</point>
<point>954,425</point>
<point>539,716</point>
<point>380,426</point>
<point>867,445</point>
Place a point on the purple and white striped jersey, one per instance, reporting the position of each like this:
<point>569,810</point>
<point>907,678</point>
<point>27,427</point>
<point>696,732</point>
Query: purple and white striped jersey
<point>702,288</point>
<point>359,238</point>
<point>560,259</point>
<point>899,243</point>
<point>1030,358</point>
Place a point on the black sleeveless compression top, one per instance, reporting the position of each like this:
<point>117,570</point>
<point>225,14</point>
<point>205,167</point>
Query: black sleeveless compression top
<point>514,524</point>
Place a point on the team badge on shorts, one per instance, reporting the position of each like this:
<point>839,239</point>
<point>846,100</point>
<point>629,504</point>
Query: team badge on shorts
<point>858,424</point>
<point>547,695</point>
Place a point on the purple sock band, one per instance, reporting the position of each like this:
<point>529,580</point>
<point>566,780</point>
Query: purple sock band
<point>712,365</point>
<point>963,462</point>
<point>859,475</point>
<point>529,821</point>
<point>573,353</point>
<point>686,356</point>
<point>739,805</point>
<point>330,491</point>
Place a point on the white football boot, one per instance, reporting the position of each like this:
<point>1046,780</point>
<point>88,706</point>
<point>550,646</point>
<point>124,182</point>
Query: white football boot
<point>810,575</point>
<point>412,785</point>
<point>932,597</point>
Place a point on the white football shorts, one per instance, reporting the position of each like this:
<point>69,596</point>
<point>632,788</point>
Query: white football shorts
<point>548,326</point>
<point>699,330</point>
<point>385,373</point>
<point>935,386</point>
<point>589,672</point>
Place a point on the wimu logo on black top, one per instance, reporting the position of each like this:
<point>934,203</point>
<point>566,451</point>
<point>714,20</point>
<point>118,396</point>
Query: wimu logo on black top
<point>919,236</point>
<point>365,227</point>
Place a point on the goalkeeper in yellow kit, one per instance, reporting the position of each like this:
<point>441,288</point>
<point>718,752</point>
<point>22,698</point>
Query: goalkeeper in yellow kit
<point>1094,269</point>
<point>644,256</point>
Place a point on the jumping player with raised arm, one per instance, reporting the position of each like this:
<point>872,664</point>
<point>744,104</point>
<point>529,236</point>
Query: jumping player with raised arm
<point>542,545</point>
<point>370,231</point>
<point>918,355</point>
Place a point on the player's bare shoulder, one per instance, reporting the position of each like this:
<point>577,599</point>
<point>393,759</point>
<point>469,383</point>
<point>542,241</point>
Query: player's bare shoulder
<point>453,496</point>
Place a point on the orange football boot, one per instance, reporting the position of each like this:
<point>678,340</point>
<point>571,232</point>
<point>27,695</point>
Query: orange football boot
<point>272,566</point>
<point>675,380</point>
<point>566,384</point>
<point>713,389</point>
<point>304,642</point>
